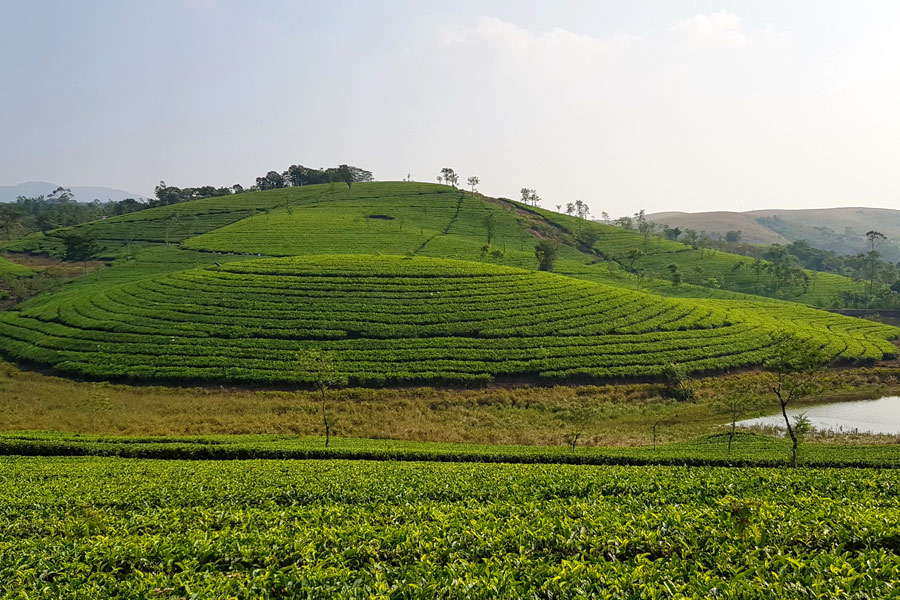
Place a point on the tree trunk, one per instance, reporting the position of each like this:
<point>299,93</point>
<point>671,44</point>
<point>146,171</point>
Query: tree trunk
<point>731,435</point>
<point>790,430</point>
<point>325,418</point>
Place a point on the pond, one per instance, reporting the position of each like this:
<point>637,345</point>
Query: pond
<point>859,416</point>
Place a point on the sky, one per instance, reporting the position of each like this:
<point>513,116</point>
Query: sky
<point>656,105</point>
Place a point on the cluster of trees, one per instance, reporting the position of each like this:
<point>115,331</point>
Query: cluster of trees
<point>294,176</point>
<point>578,209</point>
<point>530,196</point>
<point>169,194</point>
<point>449,177</point>
<point>298,175</point>
<point>58,209</point>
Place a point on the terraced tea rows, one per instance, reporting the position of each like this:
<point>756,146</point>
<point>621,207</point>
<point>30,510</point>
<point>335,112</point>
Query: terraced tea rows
<point>398,320</point>
<point>438,222</point>
<point>10,269</point>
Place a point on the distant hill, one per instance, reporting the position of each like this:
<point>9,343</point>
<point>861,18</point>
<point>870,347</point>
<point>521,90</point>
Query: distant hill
<point>841,230</point>
<point>30,189</point>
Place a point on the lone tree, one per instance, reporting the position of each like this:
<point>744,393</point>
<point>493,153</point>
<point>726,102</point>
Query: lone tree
<point>674,274</point>
<point>795,367</point>
<point>80,245</point>
<point>644,226</point>
<point>490,226</point>
<point>346,175</point>
<point>320,369</point>
<point>875,238</point>
<point>473,181</point>
<point>545,252</point>
<point>733,236</point>
<point>736,405</point>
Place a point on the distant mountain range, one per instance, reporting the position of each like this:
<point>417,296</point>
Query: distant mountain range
<point>842,230</point>
<point>30,189</point>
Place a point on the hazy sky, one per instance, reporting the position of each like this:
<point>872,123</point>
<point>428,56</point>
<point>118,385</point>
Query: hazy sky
<point>660,105</point>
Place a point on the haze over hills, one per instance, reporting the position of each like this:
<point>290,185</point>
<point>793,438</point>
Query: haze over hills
<point>31,189</point>
<point>841,230</point>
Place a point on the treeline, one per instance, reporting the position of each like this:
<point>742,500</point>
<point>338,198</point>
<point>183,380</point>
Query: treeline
<point>61,209</point>
<point>298,175</point>
<point>57,209</point>
<point>295,175</point>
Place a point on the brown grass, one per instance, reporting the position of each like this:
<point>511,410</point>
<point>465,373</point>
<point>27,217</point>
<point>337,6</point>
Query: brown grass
<point>606,415</point>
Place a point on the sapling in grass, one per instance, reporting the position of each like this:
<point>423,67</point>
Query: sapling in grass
<point>795,368</point>
<point>321,369</point>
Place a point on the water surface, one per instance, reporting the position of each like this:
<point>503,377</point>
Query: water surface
<point>862,416</point>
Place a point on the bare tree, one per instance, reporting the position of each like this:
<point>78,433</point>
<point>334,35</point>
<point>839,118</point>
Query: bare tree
<point>321,369</point>
<point>736,405</point>
<point>795,367</point>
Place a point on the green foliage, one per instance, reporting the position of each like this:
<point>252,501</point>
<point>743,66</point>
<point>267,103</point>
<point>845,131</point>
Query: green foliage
<point>545,252</point>
<point>394,320</point>
<point>640,250</point>
<point>9,268</point>
<point>80,245</point>
<point>678,384</point>
<point>105,528</point>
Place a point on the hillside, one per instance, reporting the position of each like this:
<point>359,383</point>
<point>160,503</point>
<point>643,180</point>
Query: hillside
<point>440,221</point>
<point>403,283</point>
<point>709,272</point>
<point>9,268</point>
<point>390,319</point>
<point>841,230</point>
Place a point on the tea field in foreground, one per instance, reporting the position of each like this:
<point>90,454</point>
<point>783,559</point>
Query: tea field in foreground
<point>80,528</point>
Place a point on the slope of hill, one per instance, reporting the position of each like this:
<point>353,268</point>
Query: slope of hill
<point>32,189</point>
<point>717,224</point>
<point>841,230</point>
<point>713,270</point>
<point>436,220</point>
<point>432,284</point>
<point>10,269</point>
<point>395,320</point>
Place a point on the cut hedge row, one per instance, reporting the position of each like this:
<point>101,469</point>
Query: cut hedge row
<point>397,320</point>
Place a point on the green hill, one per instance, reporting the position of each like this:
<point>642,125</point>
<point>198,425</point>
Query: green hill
<point>437,220</point>
<point>398,283</point>
<point>703,267</point>
<point>390,319</point>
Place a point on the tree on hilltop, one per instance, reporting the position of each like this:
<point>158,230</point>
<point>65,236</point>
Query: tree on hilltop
<point>273,180</point>
<point>345,175</point>
<point>530,196</point>
<point>473,181</point>
<point>449,176</point>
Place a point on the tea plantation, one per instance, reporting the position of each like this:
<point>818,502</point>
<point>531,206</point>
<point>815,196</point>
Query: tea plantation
<point>111,528</point>
<point>394,320</point>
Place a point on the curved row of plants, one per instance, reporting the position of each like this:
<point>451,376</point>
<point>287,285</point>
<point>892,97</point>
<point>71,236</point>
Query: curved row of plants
<point>395,320</point>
